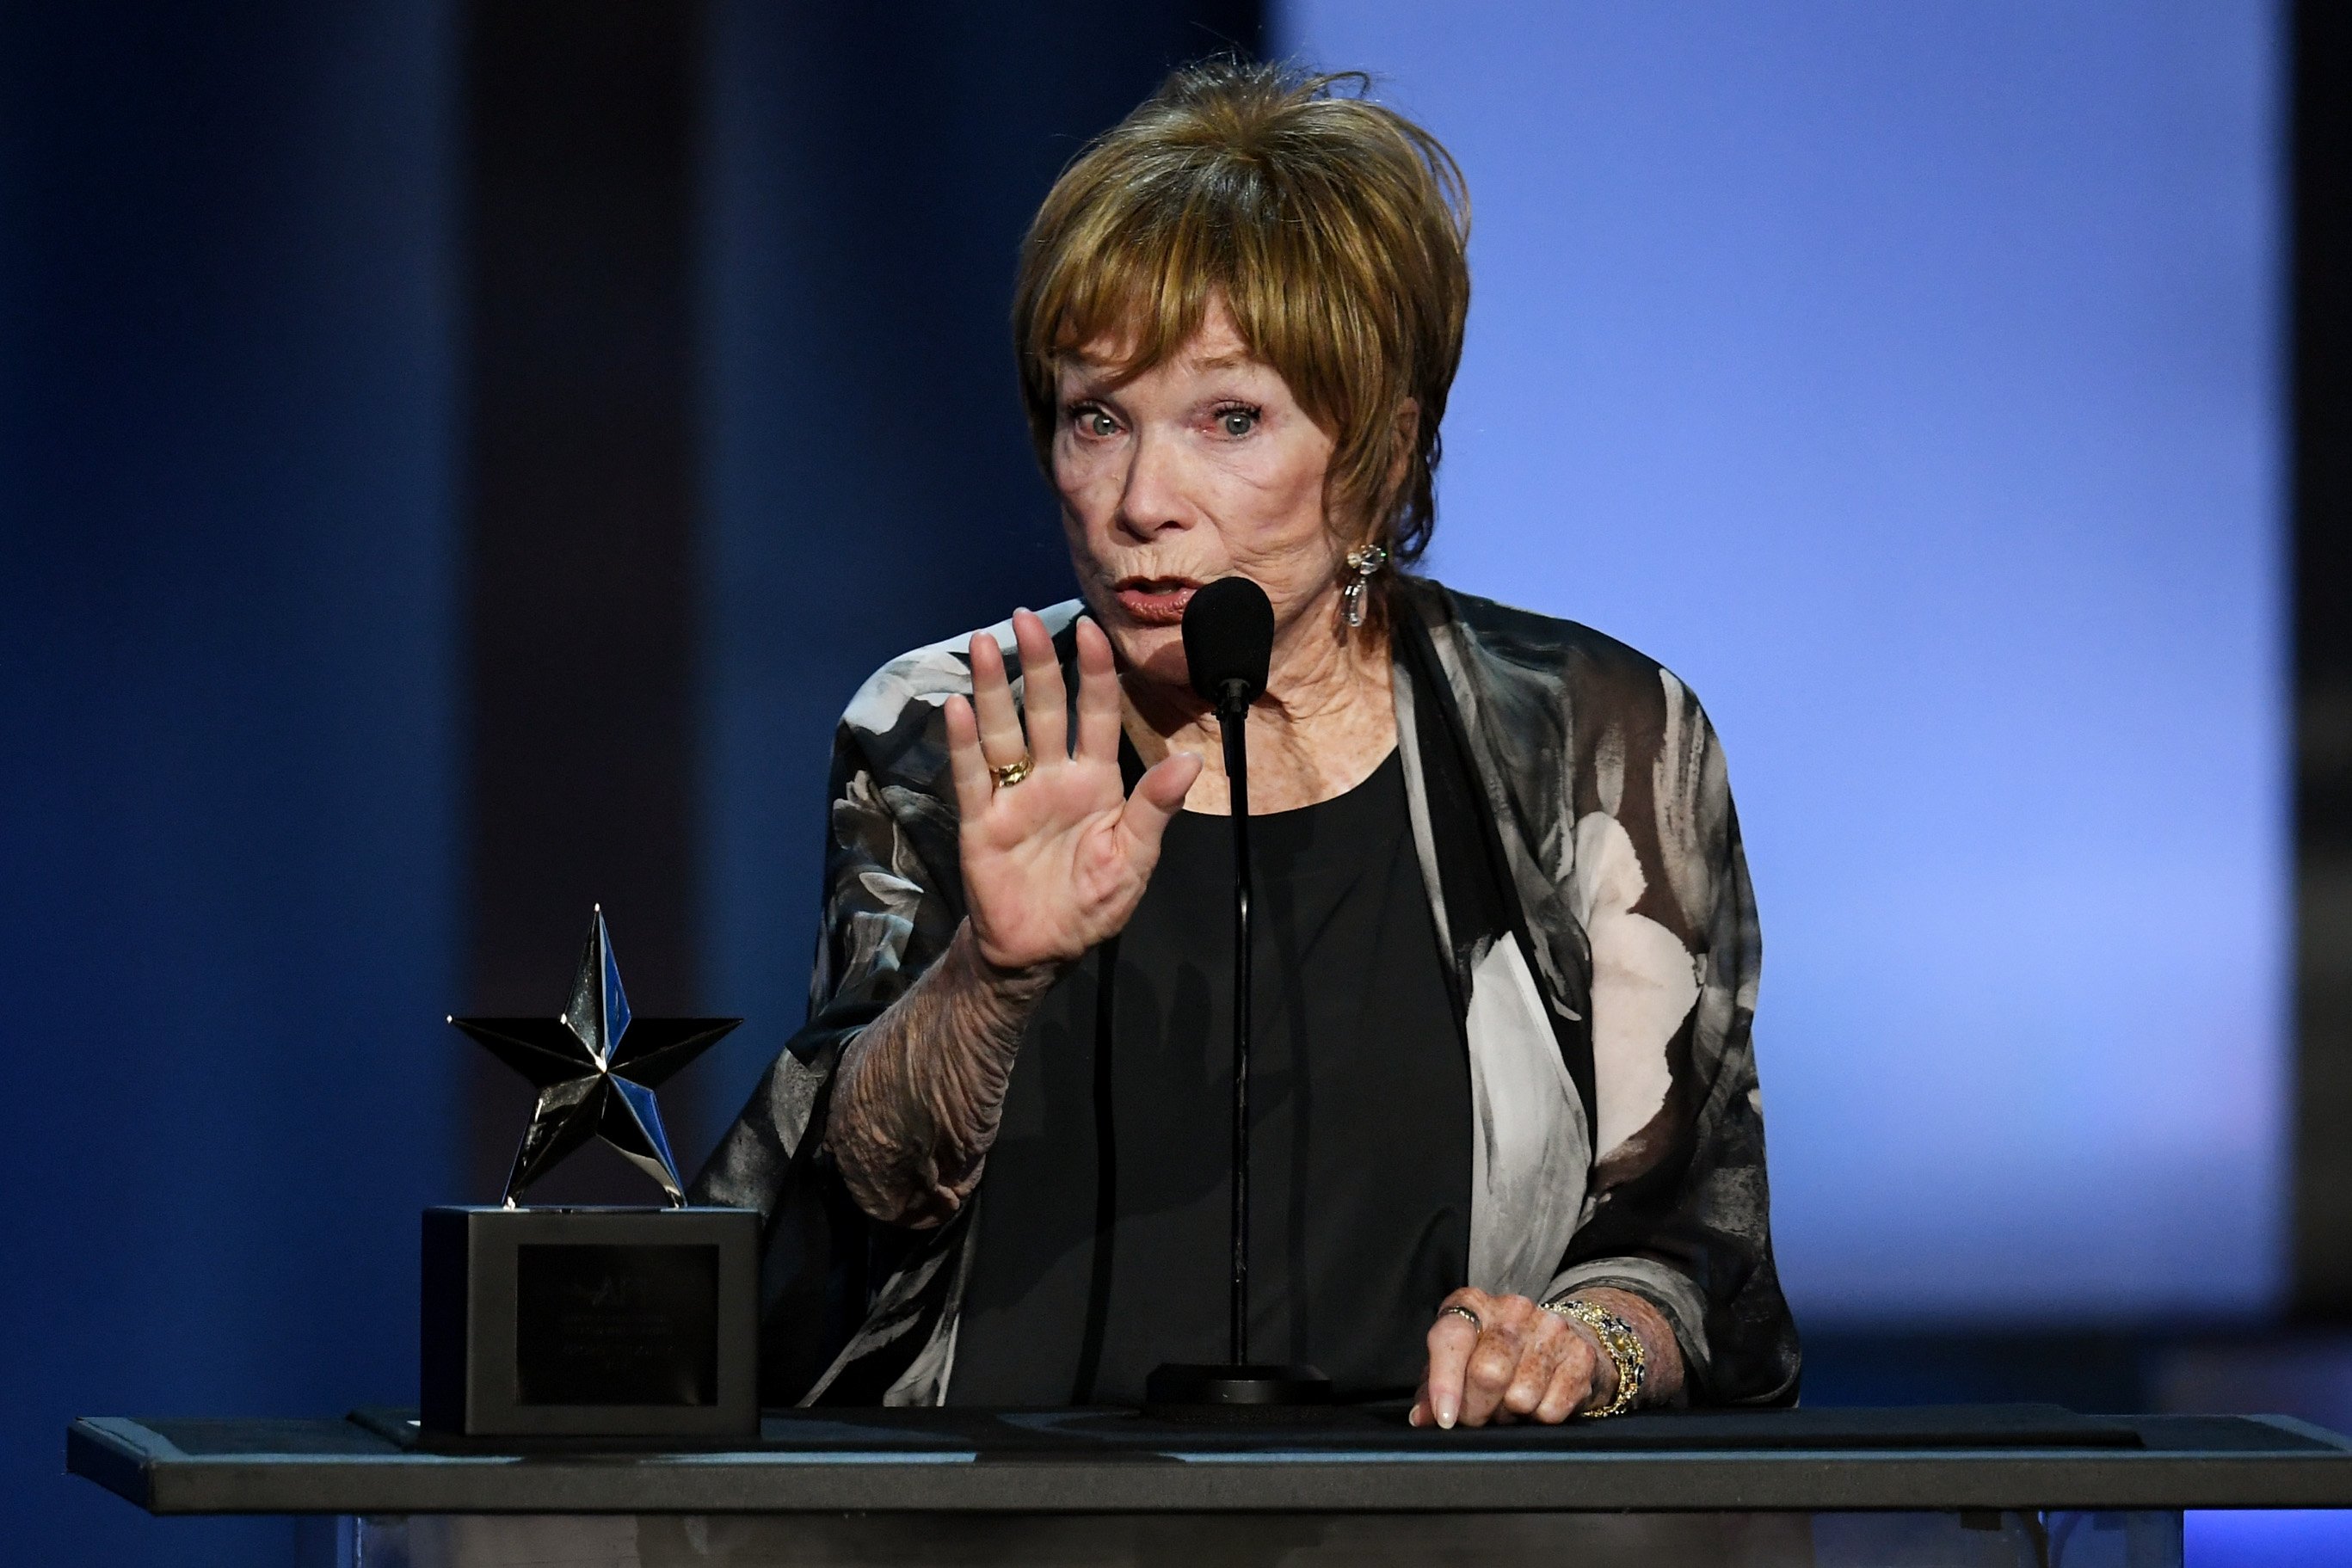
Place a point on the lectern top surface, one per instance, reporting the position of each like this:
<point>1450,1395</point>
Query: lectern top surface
<point>2005,1456</point>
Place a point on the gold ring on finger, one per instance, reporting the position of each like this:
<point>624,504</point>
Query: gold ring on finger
<point>1468,1316</point>
<point>1012,773</point>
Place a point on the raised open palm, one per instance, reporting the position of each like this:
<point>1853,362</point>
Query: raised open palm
<point>1056,861</point>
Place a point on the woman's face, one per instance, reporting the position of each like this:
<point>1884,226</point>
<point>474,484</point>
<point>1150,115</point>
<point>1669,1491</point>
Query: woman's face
<point>1203,467</point>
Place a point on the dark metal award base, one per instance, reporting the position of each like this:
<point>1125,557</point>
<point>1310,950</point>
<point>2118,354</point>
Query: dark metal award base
<point>1184,1391</point>
<point>590,1323</point>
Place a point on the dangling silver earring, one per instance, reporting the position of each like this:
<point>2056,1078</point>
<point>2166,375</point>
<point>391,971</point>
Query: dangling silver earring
<point>1365,563</point>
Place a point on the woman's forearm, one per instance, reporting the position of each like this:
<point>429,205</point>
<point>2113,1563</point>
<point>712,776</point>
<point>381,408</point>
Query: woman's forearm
<point>920,1092</point>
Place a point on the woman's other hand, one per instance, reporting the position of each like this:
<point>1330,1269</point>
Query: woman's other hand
<point>1056,862</point>
<point>1520,1362</point>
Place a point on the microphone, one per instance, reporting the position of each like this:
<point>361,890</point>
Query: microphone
<point>1228,649</point>
<point>1229,642</point>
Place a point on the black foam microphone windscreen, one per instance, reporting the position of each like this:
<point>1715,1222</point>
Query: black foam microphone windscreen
<point>1229,641</point>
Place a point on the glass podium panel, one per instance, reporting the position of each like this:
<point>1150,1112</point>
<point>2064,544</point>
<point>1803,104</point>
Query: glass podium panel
<point>1950,1540</point>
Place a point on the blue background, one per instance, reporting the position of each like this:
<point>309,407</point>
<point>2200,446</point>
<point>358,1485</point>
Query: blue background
<point>1904,376</point>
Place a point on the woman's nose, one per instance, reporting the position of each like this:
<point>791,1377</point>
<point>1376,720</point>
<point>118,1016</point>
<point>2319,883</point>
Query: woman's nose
<point>1153,501</point>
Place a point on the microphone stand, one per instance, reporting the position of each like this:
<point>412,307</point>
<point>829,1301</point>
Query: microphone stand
<point>1233,727</point>
<point>1239,1388</point>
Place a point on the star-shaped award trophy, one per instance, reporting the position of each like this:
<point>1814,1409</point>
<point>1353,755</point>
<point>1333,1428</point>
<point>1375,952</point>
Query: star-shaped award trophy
<point>596,1069</point>
<point>588,1325</point>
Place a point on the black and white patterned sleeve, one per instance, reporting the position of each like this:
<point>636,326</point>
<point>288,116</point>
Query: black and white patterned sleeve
<point>1680,1205</point>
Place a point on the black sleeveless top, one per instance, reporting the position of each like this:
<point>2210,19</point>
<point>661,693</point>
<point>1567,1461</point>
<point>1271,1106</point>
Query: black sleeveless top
<point>1104,1214</point>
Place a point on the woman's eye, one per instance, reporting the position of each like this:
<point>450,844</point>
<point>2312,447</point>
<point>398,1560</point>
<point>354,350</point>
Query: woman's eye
<point>1094,421</point>
<point>1237,423</point>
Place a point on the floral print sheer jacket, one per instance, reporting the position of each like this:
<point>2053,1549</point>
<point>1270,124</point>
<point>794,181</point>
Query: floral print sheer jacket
<point>1584,870</point>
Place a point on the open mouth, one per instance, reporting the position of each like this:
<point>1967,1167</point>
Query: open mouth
<point>1155,601</point>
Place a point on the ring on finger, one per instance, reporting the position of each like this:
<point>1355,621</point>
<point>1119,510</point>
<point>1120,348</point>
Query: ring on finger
<point>1012,773</point>
<point>1466,1316</point>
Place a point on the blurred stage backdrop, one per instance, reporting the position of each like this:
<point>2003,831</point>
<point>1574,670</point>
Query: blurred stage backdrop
<point>455,460</point>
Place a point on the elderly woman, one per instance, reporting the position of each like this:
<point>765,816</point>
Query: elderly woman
<point>1510,1158</point>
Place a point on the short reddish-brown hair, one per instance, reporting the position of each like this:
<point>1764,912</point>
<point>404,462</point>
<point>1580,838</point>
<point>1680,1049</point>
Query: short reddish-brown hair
<point>1334,228</point>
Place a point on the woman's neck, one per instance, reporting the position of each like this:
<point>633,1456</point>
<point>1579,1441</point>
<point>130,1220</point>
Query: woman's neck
<point>1327,721</point>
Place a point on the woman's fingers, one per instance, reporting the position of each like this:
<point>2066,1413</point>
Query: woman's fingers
<point>1520,1362</point>
<point>1044,701</point>
<point>972,785</point>
<point>1452,1338</point>
<point>1494,1363</point>
<point>1541,1346</point>
<point>1098,695</point>
<point>1158,796</point>
<point>1001,740</point>
<point>1570,1381</point>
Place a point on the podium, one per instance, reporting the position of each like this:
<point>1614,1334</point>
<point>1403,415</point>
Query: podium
<point>1062,1489</point>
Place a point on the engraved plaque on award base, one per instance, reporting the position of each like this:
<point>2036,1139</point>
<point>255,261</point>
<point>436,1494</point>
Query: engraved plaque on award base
<point>578,1323</point>
<point>592,1322</point>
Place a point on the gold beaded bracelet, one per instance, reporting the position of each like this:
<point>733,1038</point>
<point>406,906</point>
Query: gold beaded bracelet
<point>1623,1345</point>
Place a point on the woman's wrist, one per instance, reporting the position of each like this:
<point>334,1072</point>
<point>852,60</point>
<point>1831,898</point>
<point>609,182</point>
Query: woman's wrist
<point>1619,1360</point>
<point>1009,989</point>
<point>1605,1381</point>
<point>1663,1374</point>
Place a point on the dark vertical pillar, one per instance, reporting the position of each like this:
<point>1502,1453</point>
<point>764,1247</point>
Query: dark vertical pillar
<point>870,485</point>
<point>2322,480</point>
<point>580,507</point>
<point>228,726</point>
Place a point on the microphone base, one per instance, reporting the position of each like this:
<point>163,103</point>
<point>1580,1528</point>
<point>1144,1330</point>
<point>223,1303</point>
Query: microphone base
<point>1193,1392</point>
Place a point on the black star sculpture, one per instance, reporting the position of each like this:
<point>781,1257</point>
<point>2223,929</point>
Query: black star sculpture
<point>596,1069</point>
